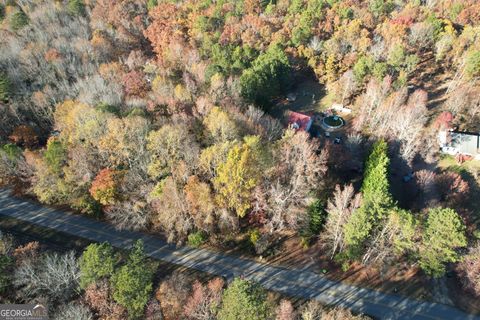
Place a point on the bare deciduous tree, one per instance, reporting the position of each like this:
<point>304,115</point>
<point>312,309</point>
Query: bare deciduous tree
<point>131,214</point>
<point>300,169</point>
<point>394,238</point>
<point>342,205</point>
<point>285,311</point>
<point>469,270</point>
<point>74,311</point>
<point>55,278</point>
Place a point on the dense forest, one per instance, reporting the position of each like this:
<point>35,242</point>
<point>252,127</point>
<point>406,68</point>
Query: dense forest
<point>162,116</point>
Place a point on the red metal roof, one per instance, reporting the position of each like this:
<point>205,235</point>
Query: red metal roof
<point>299,120</point>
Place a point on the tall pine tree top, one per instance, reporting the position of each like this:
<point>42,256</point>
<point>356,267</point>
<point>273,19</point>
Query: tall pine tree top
<point>375,187</point>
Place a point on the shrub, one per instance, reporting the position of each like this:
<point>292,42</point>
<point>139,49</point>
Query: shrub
<point>76,7</point>
<point>254,236</point>
<point>2,12</point>
<point>86,204</point>
<point>472,66</point>
<point>107,108</point>
<point>151,4</point>
<point>18,20</point>
<point>5,88</point>
<point>12,151</point>
<point>380,70</point>
<point>196,239</point>
<point>55,155</point>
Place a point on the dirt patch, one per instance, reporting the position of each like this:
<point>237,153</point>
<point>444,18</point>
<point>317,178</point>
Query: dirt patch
<point>307,99</point>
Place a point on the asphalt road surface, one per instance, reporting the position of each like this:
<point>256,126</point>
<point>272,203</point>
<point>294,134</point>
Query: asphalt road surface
<point>288,281</point>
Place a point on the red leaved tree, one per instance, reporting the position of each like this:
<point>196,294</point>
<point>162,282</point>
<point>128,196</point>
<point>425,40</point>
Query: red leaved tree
<point>104,187</point>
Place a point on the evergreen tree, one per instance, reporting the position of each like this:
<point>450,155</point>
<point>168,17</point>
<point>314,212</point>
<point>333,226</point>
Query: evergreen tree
<point>55,155</point>
<point>444,232</point>
<point>377,201</point>
<point>97,261</point>
<point>268,77</point>
<point>375,187</point>
<point>132,283</point>
<point>6,266</point>
<point>76,7</point>
<point>244,300</point>
<point>2,12</point>
<point>18,20</point>
<point>5,88</point>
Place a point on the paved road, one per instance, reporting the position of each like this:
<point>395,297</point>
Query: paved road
<point>292,282</point>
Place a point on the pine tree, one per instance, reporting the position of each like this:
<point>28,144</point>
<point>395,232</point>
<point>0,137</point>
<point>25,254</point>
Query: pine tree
<point>377,201</point>
<point>132,283</point>
<point>97,261</point>
<point>5,88</point>
<point>244,300</point>
<point>444,232</point>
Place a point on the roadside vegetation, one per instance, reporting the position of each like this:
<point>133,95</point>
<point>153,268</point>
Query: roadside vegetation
<point>157,116</point>
<point>102,283</point>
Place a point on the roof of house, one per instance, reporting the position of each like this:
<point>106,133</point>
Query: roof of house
<point>466,142</point>
<point>299,120</point>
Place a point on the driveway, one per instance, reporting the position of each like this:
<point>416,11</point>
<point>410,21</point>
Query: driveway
<point>290,282</point>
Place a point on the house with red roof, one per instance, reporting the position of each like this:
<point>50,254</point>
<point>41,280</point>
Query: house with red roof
<point>299,121</point>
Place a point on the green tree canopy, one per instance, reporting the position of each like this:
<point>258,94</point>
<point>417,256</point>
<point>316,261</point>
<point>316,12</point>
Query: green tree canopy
<point>76,7</point>
<point>377,200</point>
<point>472,63</point>
<point>55,155</point>
<point>443,232</point>
<point>244,300</point>
<point>132,283</point>
<point>97,261</point>
<point>5,88</point>
<point>268,77</point>
<point>18,20</point>
<point>375,186</point>
<point>6,265</point>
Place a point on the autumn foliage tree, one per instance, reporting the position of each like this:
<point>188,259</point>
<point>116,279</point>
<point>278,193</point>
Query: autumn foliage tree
<point>205,300</point>
<point>104,187</point>
<point>240,173</point>
<point>24,135</point>
<point>134,84</point>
